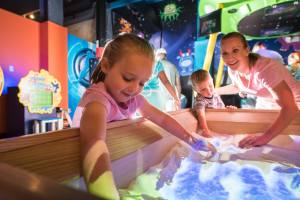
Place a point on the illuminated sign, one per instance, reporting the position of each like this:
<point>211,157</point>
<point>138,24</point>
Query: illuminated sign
<point>1,81</point>
<point>210,23</point>
<point>40,92</point>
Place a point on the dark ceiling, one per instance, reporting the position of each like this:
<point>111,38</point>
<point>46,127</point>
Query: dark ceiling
<point>71,8</point>
<point>25,6</point>
<point>138,12</point>
<point>79,10</point>
<point>20,7</point>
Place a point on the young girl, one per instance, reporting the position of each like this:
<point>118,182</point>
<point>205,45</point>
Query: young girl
<point>125,66</point>
<point>206,98</point>
<point>269,80</point>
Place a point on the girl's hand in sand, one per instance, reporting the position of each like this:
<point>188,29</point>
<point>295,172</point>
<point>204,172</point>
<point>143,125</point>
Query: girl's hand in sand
<point>198,143</point>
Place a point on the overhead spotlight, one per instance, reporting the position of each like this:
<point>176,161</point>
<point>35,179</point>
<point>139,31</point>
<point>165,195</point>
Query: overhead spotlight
<point>34,15</point>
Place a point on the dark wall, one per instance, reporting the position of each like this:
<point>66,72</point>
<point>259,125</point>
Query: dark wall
<point>19,120</point>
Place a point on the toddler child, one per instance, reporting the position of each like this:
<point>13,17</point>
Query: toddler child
<point>206,97</point>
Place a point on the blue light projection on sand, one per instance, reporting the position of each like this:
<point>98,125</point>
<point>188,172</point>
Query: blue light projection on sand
<point>234,175</point>
<point>232,180</point>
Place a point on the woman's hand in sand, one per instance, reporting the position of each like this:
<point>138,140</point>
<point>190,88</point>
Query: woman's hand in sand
<point>255,140</point>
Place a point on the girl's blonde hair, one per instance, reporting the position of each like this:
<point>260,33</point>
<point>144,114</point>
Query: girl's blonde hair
<point>252,56</point>
<point>115,49</point>
<point>199,76</point>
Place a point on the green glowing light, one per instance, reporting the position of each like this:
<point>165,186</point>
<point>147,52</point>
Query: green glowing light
<point>171,12</point>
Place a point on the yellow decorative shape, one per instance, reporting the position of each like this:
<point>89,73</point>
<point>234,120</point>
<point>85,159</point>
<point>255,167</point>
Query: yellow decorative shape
<point>210,48</point>
<point>220,73</point>
<point>210,51</point>
<point>40,92</point>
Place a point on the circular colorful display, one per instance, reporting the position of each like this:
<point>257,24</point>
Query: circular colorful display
<point>40,92</point>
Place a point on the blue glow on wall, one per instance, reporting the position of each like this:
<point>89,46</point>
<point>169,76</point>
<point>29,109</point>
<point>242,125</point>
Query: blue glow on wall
<point>80,54</point>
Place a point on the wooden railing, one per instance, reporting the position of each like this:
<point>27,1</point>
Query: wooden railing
<point>247,121</point>
<point>56,154</point>
<point>20,184</point>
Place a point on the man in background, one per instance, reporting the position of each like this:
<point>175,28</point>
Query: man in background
<point>171,73</point>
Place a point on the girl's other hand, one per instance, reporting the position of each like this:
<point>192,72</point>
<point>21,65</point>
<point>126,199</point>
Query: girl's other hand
<point>199,143</point>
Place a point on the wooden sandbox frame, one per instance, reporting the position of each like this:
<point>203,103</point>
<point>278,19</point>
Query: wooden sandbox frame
<point>134,145</point>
